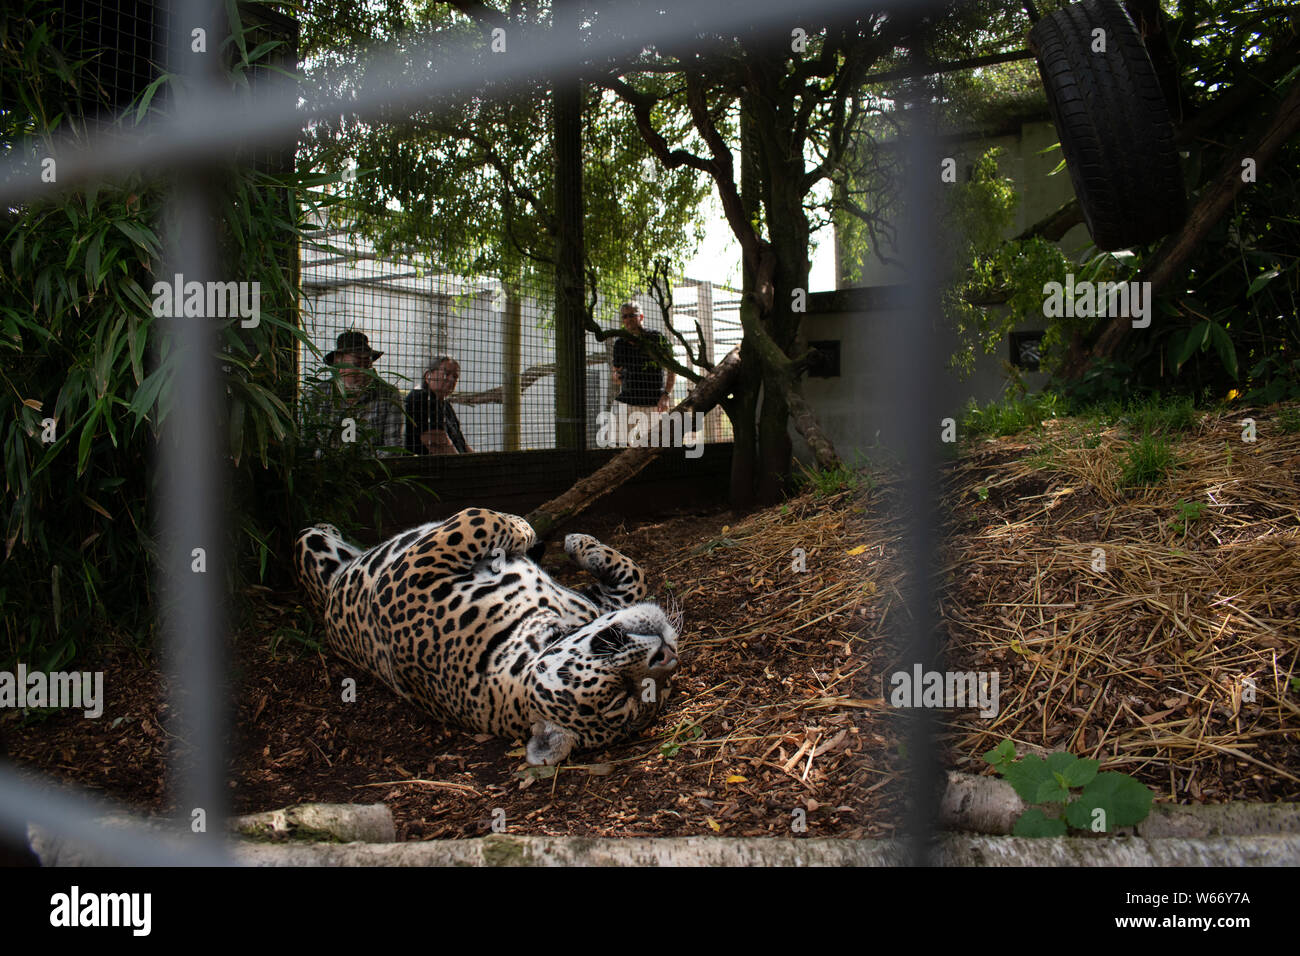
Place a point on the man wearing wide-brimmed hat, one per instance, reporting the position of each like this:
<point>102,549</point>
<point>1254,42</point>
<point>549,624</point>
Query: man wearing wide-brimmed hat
<point>374,405</point>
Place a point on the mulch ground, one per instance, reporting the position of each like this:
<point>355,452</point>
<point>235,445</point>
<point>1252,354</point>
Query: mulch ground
<point>777,725</point>
<point>767,732</point>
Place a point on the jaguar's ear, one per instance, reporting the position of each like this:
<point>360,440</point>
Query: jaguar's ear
<point>550,744</point>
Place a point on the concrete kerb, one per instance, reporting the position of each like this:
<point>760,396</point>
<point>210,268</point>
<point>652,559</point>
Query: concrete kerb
<point>1227,835</point>
<point>954,850</point>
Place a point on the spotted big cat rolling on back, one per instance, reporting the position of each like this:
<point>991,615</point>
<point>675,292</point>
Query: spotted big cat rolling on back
<point>456,617</point>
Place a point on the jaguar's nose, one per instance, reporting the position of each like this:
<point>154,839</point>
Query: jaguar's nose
<point>663,659</point>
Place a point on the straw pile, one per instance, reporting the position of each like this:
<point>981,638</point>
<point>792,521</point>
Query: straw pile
<point>1177,663</point>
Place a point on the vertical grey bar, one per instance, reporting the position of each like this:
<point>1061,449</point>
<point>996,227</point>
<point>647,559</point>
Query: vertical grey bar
<point>193,551</point>
<point>913,385</point>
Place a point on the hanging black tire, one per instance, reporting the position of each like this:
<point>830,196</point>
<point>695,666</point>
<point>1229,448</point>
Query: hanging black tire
<point>1115,129</point>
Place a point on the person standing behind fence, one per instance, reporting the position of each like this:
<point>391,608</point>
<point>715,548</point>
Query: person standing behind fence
<point>358,405</point>
<point>644,390</point>
<point>432,427</point>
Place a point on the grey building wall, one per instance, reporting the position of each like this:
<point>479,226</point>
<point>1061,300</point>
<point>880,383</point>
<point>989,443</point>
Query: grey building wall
<point>849,407</point>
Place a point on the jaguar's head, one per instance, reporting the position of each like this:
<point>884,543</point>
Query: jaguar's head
<point>320,552</point>
<point>602,682</point>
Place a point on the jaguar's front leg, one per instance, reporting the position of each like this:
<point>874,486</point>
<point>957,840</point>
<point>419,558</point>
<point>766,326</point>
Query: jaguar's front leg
<point>619,583</point>
<point>470,537</point>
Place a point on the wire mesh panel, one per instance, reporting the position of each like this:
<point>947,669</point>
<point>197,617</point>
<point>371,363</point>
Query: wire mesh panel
<point>411,343</point>
<point>493,341</point>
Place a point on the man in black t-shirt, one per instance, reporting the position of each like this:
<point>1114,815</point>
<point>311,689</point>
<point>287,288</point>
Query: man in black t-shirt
<point>643,387</point>
<point>432,427</point>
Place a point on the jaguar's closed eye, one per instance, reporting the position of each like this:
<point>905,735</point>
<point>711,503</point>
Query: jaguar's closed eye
<point>609,640</point>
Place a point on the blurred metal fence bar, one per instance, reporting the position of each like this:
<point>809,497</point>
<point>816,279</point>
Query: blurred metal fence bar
<point>220,122</point>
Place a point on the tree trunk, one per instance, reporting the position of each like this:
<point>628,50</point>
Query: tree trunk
<point>570,332</point>
<point>774,447</point>
<point>743,412</point>
<point>1215,201</point>
<point>712,389</point>
<point>512,388</point>
<point>807,425</point>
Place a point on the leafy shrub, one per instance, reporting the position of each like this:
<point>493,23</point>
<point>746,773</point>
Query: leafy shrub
<point>1105,801</point>
<point>81,346</point>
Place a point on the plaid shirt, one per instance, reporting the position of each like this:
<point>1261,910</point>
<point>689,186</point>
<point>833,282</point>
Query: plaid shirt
<point>376,410</point>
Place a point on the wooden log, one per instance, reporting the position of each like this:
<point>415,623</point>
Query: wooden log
<point>549,516</point>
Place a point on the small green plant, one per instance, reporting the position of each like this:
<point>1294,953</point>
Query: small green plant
<point>982,492</point>
<point>1009,416</point>
<point>708,547</point>
<point>304,640</point>
<point>1105,801</point>
<point>1288,420</point>
<point>827,482</point>
<point>1149,461</point>
<point>1188,511</point>
<point>1044,459</point>
<point>683,734</point>
<point>1161,415</point>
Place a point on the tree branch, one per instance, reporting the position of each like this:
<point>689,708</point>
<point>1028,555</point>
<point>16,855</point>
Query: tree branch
<point>530,376</point>
<point>661,289</point>
<point>1055,225</point>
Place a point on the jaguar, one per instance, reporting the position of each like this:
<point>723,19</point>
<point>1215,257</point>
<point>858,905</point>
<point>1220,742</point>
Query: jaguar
<point>458,618</point>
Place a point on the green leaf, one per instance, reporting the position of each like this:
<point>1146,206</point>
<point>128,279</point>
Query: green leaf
<point>262,48</point>
<point>1194,339</point>
<point>1124,800</point>
<point>1223,345</point>
<point>1051,791</point>
<point>147,96</point>
<point>1081,772</point>
<point>147,394</point>
<point>93,251</point>
<point>142,236</point>
<point>1034,823</point>
<point>1027,776</point>
<point>87,437</point>
<point>1001,755</point>
<point>1262,280</point>
<point>237,409</point>
<point>237,28</point>
<point>1059,761</point>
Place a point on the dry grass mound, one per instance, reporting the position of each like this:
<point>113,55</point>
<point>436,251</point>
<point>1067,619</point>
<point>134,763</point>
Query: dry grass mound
<point>1152,625</point>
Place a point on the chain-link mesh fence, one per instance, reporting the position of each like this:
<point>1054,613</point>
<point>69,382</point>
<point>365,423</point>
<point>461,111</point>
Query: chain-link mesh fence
<point>468,360</point>
<point>476,354</point>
